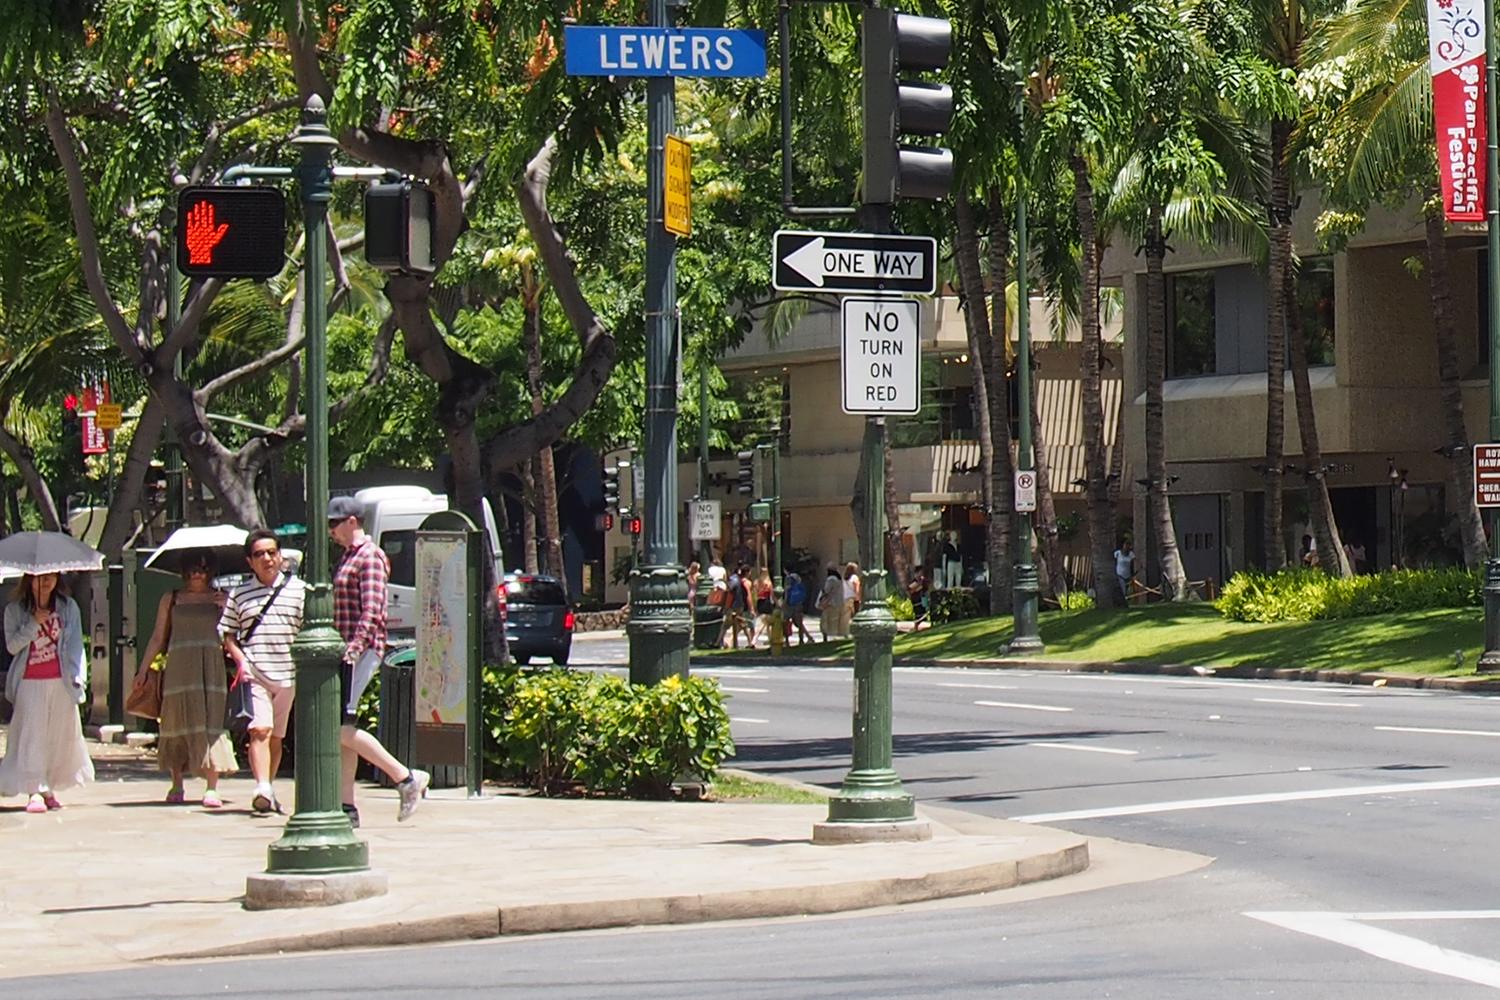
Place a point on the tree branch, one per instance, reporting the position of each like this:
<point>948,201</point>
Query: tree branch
<point>295,337</point>
<point>36,486</point>
<point>217,133</point>
<point>532,194</point>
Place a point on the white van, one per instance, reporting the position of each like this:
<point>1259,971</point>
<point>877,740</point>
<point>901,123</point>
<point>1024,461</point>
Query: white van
<point>392,515</point>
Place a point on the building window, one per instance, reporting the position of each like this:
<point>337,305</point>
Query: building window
<point>1315,308</point>
<point>1190,324</point>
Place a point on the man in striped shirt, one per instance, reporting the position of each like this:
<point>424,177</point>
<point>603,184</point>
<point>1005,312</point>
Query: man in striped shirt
<point>359,584</point>
<point>260,620</point>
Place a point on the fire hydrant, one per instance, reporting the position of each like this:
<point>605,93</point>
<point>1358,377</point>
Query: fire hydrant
<point>776,627</point>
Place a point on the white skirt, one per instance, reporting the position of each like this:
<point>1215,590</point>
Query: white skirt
<point>44,750</point>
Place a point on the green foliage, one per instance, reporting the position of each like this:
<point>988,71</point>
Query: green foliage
<point>1075,600</point>
<point>953,604</point>
<point>1310,595</point>
<point>901,607</point>
<point>557,728</point>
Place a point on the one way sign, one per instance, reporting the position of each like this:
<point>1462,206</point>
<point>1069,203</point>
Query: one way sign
<point>854,262</point>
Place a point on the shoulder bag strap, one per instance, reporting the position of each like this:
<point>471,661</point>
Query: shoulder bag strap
<point>255,622</point>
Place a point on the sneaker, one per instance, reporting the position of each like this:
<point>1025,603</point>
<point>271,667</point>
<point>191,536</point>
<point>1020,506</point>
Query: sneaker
<point>50,801</point>
<point>412,790</point>
<point>176,797</point>
<point>352,813</point>
<point>263,801</point>
<point>211,800</point>
<point>35,804</point>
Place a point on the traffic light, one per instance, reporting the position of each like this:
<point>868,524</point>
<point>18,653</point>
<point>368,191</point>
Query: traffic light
<point>746,473</point>
<point>605,521</point>
<point>231,232</point>
<point>398,227</point>
<point>633,526</point>
<point>891,44</point>
<point>611,488</point>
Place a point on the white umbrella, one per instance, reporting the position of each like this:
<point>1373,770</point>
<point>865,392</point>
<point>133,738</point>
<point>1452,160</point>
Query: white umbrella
<point>47,552</point>
<point>225,542</point>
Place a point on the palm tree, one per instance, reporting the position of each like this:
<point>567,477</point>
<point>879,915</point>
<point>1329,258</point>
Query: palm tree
<point>1373,134</point>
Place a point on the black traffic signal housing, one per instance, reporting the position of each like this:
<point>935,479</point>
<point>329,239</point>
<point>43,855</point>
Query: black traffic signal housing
<point>633,526</point>
<point>231,232</point>
<point>746,473</point>
<point>892,44</point>
<point>604,521</point>
<point>611,488</point>
<point>398,227</point>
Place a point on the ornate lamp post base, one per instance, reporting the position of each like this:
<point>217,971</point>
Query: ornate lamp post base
<point>1025,640</point>
<point>276,892</point>
<point>872,804</point>
<point>1489,658</point>
<point>660,626</point>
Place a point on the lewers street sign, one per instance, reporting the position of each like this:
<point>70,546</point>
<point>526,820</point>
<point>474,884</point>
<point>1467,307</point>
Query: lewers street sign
<point>599,50</point>
<point>854,262</point>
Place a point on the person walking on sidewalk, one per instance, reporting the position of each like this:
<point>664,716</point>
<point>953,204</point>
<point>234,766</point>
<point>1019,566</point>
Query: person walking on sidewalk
<point>44,753</point>
<point>192,736</point>
<point>831,604</point>
<point>359,584</point>
<point>260,621</point>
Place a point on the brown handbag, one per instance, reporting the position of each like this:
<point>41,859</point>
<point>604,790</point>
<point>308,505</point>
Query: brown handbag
<point>144,699</point>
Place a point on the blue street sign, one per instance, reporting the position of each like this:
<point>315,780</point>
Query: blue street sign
<point>606,51</point>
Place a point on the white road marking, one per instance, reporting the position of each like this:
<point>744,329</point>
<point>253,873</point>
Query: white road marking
<point>1346,929</point>
<point>1314,704</point>
<point>1017,704</point>
<point>750,721</point>
<point>1079,746</point>
<point>1146,808</point>
<point>986,687</point>
<point>1439,732</point>
<point>725,687</point>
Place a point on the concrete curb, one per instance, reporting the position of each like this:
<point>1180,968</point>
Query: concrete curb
<point>1472,685</point>
<point>544,918</point>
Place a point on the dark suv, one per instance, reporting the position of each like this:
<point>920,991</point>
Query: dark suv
<point>538,620</point>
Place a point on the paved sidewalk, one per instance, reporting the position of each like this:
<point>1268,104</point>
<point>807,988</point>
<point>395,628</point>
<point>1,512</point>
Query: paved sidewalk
<point>118,876</point>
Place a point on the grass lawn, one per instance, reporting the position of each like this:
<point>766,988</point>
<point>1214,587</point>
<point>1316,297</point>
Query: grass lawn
<point>1420,642</point>
<point>739,788</point>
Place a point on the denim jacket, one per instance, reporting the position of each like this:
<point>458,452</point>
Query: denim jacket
<point>21,629</point>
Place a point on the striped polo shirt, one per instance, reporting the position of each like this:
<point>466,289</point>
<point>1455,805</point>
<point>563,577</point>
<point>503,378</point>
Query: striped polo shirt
<point>270,648</point>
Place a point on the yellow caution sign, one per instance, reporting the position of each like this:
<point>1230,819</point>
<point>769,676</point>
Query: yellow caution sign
<point>679,187</point>
<point>108,416</point>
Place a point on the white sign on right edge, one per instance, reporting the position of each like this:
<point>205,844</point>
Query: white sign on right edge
<point>1025,491</point>
<point>882,363</point>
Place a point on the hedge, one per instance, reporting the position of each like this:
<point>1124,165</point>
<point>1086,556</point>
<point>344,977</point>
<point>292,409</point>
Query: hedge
<point>1311,595</point>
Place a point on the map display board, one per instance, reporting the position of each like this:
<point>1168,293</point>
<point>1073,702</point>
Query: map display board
<point>442,668</point>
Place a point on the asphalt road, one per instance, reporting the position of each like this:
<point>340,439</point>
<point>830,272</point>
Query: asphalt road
<point>1350,828</point>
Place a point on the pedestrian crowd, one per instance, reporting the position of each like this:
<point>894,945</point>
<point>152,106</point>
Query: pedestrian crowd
<point>214,663</point>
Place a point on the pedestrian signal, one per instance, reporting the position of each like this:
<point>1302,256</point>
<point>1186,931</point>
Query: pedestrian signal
<point>231,232</point>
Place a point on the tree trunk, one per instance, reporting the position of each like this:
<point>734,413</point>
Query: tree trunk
<point>1158,503</point>
<point>544,471</point>
<point>36,486</point>
<point>976,325</point>
<point>1332,558</point>
<point>119,525</point>
<point>1101,516</point>
<point>1046,504</point>
<point>527,470</point>
<point>1280,261</point>
<point>5,528</point>
<point>1000,521</point>
<point>1460,459</point>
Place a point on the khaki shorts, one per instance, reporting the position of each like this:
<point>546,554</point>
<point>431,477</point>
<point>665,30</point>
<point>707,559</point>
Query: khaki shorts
<point>270,705</point>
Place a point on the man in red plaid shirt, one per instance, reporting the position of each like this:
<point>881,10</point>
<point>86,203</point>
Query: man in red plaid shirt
<point>359,583</point>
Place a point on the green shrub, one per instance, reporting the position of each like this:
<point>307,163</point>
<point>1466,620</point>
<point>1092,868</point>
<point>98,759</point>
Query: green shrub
<point>1075,600</point>
<point>901,607</point>
<point>554,728</point>
<point>1310,595</point>
<point>953,604</point>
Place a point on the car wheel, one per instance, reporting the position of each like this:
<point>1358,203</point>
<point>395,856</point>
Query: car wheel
<point>523,661</point>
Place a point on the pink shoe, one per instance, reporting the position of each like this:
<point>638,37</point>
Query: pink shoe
<point>211,800</point>
<point>50,801</point>
<point>175,797</point>
<point>36,804</point>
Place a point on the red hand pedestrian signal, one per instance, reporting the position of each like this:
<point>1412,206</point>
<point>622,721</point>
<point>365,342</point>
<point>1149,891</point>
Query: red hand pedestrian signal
<point>202,234</point>
<point>231,232</point>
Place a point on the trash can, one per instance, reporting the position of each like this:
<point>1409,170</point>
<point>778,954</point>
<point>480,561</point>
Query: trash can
<point>708,619</point>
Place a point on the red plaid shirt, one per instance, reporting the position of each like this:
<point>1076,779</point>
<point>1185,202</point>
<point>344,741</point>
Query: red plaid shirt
<point>359,598</point>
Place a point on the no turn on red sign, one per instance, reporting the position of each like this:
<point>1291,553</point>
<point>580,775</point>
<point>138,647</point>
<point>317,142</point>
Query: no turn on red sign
<point>881,356</point>
<point>1487,475</point>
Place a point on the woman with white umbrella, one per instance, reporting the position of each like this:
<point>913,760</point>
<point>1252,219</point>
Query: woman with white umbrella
<point>45,752</point>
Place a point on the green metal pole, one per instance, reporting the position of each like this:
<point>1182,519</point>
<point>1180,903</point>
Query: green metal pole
<point>777,573</point>
<point>660,626</point>
<point>1489,660</point>
<point>318,839</point>
<point>173,464</point>
<point>1026,639</point>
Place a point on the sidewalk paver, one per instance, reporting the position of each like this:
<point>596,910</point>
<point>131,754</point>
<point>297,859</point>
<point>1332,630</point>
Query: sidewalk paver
<point>118,876</point>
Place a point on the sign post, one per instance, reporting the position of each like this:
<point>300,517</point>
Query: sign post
<point>881,356</point>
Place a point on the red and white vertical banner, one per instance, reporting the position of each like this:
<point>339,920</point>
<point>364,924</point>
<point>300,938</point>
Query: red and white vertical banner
<point>95,440</point>
<point>1455,41</point>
